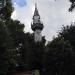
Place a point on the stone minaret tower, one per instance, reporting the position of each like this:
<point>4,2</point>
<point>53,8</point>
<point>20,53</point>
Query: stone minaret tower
<point>37,26</point>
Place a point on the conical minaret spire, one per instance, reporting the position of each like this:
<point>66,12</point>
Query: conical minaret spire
<point>36,10</point>
<point>37,25</point>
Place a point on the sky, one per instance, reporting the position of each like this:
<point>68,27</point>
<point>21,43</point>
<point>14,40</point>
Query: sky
<point>53,14</point>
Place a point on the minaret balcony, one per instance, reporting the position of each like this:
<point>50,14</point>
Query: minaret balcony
<point>37,26</point>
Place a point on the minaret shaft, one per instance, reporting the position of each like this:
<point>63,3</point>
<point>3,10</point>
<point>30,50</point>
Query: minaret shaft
<point>37,36</point>
<point>37,26</point>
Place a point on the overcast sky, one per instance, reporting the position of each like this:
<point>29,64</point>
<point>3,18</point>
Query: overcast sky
<point>53,13</point>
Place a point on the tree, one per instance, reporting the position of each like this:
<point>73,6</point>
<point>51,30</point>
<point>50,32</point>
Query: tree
<point>32,52</point>
<point>6,11</point>
<point>68,33</point>
<point>9,35</point>
<point>59,57</point>
<point>6,50</point>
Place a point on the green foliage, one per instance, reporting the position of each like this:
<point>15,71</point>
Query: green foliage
<point>9,9</point>
<point>6,11</point>
<point>6,45</point>
<point>59,57</point>
<point>15,26</point>
<point>10,35</point>
<point>2,33</point>
<point>68,33</point>
<point>2,48</point>
<point>32,53</point>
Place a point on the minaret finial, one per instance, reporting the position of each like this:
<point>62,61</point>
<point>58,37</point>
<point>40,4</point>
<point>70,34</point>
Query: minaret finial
<point>36,10</point>
<point>35,5</point>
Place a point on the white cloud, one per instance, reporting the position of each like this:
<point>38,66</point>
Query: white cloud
<point>54,14</point>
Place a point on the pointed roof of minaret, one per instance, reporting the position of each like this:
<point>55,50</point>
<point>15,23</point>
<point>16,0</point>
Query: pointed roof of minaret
<point>36,10</point>
<point>36,24</point>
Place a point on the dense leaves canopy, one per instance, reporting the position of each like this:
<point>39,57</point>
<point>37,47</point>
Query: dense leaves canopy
<point>59,57</point>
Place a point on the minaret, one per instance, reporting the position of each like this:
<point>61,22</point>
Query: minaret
<point>37,25</point>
